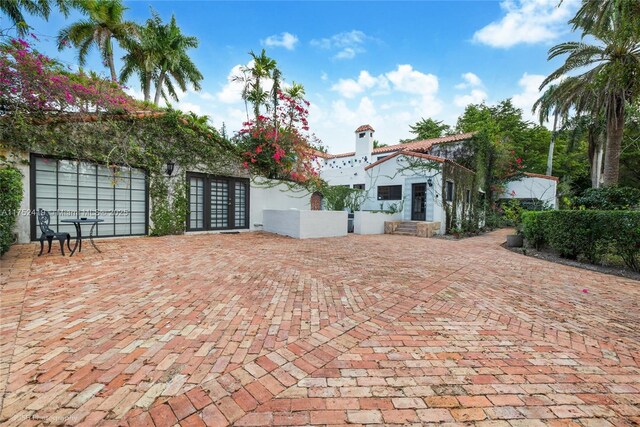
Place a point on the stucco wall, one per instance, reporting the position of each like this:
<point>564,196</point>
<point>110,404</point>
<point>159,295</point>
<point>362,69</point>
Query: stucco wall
<point>372,222</point>
<point>305,224</point>
<point>273,195</point>
<point>22,228</point>
<point>533,188</point>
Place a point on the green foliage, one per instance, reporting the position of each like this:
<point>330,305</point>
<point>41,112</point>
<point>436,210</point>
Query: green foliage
<point>427,129</point>
<point>588,234</point>
<point>10,198</point>
<point>169,216</point>
<point>104,22</point>
<point>142,142</point>
<point>609,198</point>
<point>339,198</point>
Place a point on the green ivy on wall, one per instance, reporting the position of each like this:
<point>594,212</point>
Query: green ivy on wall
<point>146,141</point>
<point>10,198</point>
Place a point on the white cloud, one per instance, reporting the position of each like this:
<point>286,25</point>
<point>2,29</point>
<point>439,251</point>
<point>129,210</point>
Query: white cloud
<point>347,44</point>
<point>406,79</point>
<point>529,94</point>
<point>390,102</point>
<point>527,21</point>
<point>477,94</point>
<point>232,91</point>
<point>470,80</point>
<point>349,88</point>
<point>285,40</point>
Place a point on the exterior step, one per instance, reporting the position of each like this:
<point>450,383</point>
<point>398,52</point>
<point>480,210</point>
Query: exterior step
<point>411,228</point>
<point>404,233</point>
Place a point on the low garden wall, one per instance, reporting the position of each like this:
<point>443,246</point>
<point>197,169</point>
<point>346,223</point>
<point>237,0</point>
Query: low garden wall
<point>370,222</point>
<point>303,224</point>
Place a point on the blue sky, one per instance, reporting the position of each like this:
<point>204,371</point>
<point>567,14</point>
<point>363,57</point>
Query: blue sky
<point>383,63</point>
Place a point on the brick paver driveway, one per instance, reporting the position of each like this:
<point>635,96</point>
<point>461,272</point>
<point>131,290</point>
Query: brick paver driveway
<point>256,329</point>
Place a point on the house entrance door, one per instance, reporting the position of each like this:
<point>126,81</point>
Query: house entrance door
<point>418,202</point>
<point>217,203</point>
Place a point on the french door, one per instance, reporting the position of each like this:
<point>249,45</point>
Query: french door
<point>217,203</point>
<point>418,197</point>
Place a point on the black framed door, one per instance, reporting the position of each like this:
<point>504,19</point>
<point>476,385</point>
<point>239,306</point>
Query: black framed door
<point>418,199</point>
<point>217,202</point>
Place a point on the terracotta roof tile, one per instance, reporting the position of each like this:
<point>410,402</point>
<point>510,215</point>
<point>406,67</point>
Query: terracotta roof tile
<point>424,144</point>
<point>537,175</point>
<point>419,155</point>
<point>364,128</point>
<point>416,146</point>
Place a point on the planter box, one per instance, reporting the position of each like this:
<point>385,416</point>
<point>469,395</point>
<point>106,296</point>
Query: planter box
<point>366,222</point>
<point>305,224</point>
<point>515,240</point>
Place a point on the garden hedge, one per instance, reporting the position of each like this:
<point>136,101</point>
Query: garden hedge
<point>10,198</point>
<point>589,234</point>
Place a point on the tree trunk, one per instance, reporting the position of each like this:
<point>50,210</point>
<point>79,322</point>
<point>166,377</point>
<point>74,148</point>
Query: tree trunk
<point>596,157</point>
<point>615,130</point>
<point>159,84</point>
<point>110,62</point>
<point>552,144</point>
<point>147,87</point>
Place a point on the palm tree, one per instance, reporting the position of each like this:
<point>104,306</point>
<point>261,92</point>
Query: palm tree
<point>261,67</point>
<point>139,60</point>
<point>171,60</point>
<point>15,9</point>
<point>573,95</point>
<point>612,73</point>
<point>105,23</point>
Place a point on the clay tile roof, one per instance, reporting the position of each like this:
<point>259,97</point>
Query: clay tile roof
<point>425,144</point>
<point>407,153</point>
<point>419,155</point>
<point>364,128</point>
<point>537,175</point>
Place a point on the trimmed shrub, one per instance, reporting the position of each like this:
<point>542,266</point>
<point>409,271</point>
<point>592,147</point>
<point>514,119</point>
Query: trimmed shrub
<point>609,198</point>
<point>10,198</point>
<point>589,234</point>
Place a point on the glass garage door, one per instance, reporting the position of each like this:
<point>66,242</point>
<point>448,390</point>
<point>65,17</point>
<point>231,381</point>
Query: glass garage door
<point>72,189</point>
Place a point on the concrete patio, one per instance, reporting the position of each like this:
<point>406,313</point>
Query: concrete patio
<point>257,329</point>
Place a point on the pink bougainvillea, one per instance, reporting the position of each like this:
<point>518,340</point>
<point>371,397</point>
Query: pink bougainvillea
<point>279,145</point>
<point>37,83</point>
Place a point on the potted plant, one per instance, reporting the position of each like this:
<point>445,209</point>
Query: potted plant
<point>513,216</point>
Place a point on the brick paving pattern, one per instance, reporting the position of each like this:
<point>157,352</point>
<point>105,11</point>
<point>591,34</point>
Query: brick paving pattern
<point>255,329</point>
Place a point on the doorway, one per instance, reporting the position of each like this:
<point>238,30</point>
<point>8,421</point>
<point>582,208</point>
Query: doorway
<point>418,202</point>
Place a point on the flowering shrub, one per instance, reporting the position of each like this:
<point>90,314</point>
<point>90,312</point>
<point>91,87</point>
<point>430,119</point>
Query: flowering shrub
<point>32,81</point>
<point>279,146</point>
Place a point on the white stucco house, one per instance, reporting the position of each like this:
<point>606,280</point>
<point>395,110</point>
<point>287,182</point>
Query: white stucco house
<point>420,178</point>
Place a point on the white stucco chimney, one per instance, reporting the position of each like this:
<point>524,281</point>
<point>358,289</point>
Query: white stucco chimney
<point>364,142</point>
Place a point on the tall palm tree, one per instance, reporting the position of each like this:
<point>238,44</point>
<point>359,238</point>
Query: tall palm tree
<point>171,60</point>
<point>612,66</point>
<point>15,10</point>
<point>578,97</point>
<point>139,60</point>
<point>103,24</point>
<point>261,67</point>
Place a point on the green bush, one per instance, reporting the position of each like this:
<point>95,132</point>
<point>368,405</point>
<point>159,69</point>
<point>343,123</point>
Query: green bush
<point>589,234</point>
<point>10,198</point>
<point>609,198</point>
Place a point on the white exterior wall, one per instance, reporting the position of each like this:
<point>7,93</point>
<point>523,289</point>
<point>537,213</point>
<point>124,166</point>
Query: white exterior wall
<point>372,222</point>
<point>529,187</point>
<point>270,196</point>
<point>22,227</point>
<point>305,224</point>
<point>390,173</point>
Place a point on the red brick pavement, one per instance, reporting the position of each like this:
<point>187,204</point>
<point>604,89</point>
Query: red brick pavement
<point>256,329</point>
